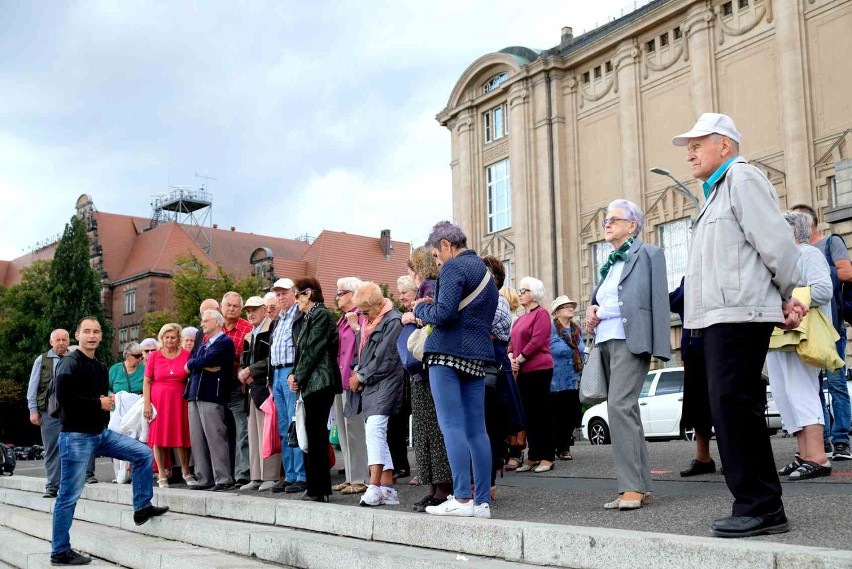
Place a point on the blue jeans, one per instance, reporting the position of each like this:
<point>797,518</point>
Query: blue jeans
<point>75,450</point>
<point>460,405</point>
<point>837,423</point>
<point>285,405</point>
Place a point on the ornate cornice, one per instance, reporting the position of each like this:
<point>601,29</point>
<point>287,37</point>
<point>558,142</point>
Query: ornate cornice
<point>723,28</point>
<point>690,25</point>
<point>623,58</point>
<point>495,153</point>
<point>517,96</point>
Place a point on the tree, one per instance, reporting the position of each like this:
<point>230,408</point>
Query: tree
<point>75,287</point>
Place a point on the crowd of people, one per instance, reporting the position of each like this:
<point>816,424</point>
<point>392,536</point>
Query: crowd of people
<point>496,387</point>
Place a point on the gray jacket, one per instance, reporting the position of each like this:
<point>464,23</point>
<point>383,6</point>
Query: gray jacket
<point>380,369</point>
<point>743,259</point>
<point>643,298</point>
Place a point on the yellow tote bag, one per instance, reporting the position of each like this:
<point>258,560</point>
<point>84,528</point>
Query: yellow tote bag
<point>816,334</point>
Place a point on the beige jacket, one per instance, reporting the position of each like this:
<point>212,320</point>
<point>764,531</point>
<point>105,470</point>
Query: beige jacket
<point>743,259</point>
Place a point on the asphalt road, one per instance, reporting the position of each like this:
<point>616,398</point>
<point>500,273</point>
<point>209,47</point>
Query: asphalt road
<point>574,492</point>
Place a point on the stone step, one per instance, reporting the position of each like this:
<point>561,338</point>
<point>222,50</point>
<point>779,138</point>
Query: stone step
<point>260,522</point>
<point>278,545</point>
<point>26,552</point>
<point>125,548</point>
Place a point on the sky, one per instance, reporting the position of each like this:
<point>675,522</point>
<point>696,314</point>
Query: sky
<point>309,115</point>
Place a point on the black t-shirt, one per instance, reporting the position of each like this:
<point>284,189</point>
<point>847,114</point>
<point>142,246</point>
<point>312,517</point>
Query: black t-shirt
<point>80,382</point>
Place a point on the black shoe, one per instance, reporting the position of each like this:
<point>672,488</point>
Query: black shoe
<point>200,487</point>
<point>748,526</point>
<point>145,514</point>
<point>697,467</point>
<point>403,473</point>
<point>280,487</point>
<point>91,479</point>
<point>50,493</point>
<point>841,452</point>
<point>223,487</point>
<point>791,468</point>
<point>809,470</point>
<point>308,498</point>
<point>428,501</point>
<point>69,557</point>
<point>828,449</point>
<point>242,482</point>
<point>296,487</point>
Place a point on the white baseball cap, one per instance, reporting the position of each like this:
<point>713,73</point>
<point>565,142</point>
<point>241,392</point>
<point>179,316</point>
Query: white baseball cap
<point>254,302</point>
<point>284,283</point>
<point>710,123</point>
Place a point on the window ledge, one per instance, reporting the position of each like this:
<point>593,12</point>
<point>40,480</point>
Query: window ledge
<point>839,213</point>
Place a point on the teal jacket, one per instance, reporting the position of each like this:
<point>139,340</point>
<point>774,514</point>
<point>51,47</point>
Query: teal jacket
<point>315,367</point>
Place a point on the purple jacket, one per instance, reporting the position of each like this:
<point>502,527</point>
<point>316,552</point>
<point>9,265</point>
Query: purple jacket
<point>346,349</point>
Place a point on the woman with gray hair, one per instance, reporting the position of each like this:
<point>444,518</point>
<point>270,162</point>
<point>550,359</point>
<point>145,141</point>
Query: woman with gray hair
<point>795,384</point>
<point>187,338</point>
<point>532,364</point>
<point>629,316</point>
<point>149,346</point>
<point>128,375</point>
<point>456,352</point>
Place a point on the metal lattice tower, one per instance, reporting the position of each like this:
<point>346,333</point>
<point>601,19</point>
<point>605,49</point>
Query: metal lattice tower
<point>191,208</point>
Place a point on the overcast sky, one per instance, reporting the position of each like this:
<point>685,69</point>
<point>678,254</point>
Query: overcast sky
<point>311,115</point>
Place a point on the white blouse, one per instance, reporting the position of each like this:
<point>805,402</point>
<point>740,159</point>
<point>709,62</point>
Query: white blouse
<point>609,309</point>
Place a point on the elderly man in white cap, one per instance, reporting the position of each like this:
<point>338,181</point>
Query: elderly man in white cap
<point>256,374</point>
<point>282,355</point>
<point>739,283</point>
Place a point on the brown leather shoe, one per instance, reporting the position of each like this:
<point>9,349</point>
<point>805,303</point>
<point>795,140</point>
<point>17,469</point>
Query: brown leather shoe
<point>354,489</point>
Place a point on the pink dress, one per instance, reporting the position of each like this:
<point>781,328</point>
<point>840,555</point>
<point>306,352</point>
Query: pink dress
<point>171,427</point>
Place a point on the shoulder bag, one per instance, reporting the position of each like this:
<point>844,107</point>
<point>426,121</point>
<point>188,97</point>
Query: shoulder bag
<point>593,386</point>
<point>417,340</point>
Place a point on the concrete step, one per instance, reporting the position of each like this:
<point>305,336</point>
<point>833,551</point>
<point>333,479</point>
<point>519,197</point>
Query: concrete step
<point>26,552</point>
<point>306,534</point>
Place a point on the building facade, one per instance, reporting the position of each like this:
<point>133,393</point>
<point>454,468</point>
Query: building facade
<point>542,141</point>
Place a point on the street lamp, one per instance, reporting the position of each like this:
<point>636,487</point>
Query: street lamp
<point>679,188</point>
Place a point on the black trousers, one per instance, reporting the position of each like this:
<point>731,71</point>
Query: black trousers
<point>317,465</point>
<point>734,356</point>
<point>696,399</point>
<point>565,417</point>
<point>496,426</point>
<point>398,430</point>
<point>534,387</point>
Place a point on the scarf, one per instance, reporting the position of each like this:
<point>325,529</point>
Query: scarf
<point>369,327</point>
<point>620,254</point>
<point>571,336</point>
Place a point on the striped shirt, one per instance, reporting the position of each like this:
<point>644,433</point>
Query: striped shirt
<point>283,349</point>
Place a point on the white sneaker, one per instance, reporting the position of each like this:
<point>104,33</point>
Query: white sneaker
<point>452,508</point>
<point>266,486</point>
<point>253,485</point>
<point>390,496</point>
<point>372,497</point>
<point>482,511</point>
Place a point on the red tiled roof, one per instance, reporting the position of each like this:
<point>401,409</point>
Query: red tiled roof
<point>232,249</point>
<point>12,274</point>
<point>117,236</point>
<point>157,251</point>
<point>289,269</point>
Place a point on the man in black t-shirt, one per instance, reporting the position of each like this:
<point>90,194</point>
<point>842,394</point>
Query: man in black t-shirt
<point>81,386</point>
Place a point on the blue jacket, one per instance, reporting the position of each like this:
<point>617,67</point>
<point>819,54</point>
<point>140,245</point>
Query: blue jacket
<point>467,333</point>
<point>564,376</point>
<point>211,386</point>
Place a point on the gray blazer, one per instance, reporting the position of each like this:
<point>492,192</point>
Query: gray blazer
<point>643,297</point>
<point>380,370</point>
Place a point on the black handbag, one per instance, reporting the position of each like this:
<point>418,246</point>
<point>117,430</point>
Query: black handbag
<point>292,437</point>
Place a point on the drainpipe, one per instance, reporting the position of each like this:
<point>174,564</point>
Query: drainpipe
<point>552,173</point>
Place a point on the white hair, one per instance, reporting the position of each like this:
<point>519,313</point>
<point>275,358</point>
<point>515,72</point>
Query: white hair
<point>189,332</point>
<point>232,293</point>
<point>536,288</point>
<point>631,210</point>
<point>270,296</point>
<point>349,283</point>
<point>215,315</point>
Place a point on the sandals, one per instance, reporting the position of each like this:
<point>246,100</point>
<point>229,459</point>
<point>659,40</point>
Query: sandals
<point>413,481</point>
<point>512,464</point>
<point>163,482</point>
<point>354,489</point>
<point>565,455</point>
<point>190,480</point>
<point>341,486</point>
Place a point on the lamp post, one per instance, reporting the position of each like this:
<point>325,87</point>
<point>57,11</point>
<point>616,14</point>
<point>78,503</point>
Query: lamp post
<point>679,188</point>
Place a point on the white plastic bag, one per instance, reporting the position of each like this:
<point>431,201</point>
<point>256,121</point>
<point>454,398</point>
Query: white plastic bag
<point>301,429</point>
<point>133,423</point>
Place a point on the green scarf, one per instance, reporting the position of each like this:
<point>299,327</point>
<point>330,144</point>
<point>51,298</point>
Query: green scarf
<point>620,254</point>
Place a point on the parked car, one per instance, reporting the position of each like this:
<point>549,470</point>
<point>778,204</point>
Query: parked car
<point>661,407</point>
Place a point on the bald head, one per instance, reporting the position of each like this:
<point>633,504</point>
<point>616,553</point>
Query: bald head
<point>59,341</point>
<point>208,304</point>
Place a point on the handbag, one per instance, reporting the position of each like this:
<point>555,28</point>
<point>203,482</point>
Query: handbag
<point>417,340</point>
<point>593,387</point>
<point>299,421</point>
<point>271,439</point>
<point>409,363</point>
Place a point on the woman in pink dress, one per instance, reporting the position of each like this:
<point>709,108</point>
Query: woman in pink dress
<point>165,381</point>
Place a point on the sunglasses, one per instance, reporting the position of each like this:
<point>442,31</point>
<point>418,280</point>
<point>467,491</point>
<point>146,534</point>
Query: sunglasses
<point>149,350</point>
<point>137,356</point>
<point>303,292</point>
<point>342,293</point>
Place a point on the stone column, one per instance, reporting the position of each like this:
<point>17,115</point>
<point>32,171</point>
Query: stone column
<point>627,85</point>
<point>698,50</point>
<point>463,191</point>
<point>794,121</point>
<point>519,130</point>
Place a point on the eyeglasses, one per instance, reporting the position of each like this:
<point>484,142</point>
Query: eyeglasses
<point>137,356</point>
<point>148,351</point>
<point>611,220</point>
<point>303,292</point>
<point>341,293</point>
<point>523,290</point>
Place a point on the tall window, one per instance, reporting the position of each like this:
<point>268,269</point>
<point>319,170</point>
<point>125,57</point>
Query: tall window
<point>499,196</point>
<point>600,251</point>
<point>130,301</point>
<point>494,123</point>
<point>122,337</point>
<point>134,333</point>
<point>674,240</point>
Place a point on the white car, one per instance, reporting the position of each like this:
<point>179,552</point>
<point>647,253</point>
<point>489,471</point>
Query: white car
<point>661,405</point>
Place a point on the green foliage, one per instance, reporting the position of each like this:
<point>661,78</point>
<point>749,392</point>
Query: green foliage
<point>75,288</point>
<point>153,321</point>
<point>388,294</point>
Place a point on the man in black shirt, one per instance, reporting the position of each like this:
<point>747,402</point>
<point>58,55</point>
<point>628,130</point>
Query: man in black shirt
<point>82,385</point>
